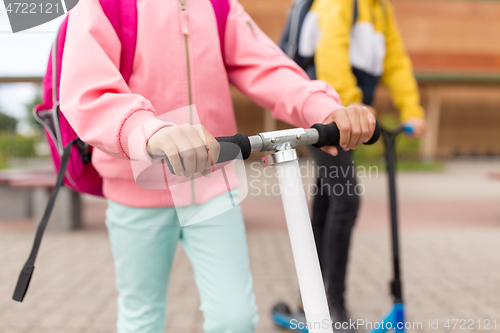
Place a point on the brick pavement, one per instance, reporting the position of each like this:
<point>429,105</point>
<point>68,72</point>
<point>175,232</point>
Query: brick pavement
<point>448,274</point>
<point>451,268</point>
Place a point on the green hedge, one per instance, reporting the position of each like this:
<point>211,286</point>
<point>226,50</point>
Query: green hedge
<point>15,145</point>
<point>7,123</point>
<point>407,151</point>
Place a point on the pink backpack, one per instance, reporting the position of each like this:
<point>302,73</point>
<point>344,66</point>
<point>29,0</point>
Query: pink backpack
<point>70,155</point>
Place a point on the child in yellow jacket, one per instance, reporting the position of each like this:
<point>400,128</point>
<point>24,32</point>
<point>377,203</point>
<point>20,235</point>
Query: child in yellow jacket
<point>356,44</point>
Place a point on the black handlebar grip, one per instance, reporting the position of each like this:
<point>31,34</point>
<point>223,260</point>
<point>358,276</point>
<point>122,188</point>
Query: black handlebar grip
<point>376,134</point>
<point>329,135</point>
<point>230,148</point>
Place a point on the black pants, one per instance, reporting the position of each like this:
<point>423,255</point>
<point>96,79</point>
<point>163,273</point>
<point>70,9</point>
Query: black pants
<point>334,213</point>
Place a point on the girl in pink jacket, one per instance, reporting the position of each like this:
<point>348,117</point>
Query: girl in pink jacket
<point>179,62</point>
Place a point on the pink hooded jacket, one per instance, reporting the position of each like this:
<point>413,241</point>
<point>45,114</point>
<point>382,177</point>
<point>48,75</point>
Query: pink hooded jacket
<point>178,62</point>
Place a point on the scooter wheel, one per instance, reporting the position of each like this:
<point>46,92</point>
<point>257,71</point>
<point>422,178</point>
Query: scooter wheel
<point>282,308</point>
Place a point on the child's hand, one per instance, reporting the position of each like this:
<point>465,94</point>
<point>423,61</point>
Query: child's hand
<point>356,125</point>
<point>370,108</point>
<point>197,147</point>
<point>419,126</point>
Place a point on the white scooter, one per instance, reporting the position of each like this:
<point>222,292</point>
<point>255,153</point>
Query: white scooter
<point>285,159</point>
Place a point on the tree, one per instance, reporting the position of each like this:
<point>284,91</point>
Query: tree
<point>7,123</point>
<point>37,99</point>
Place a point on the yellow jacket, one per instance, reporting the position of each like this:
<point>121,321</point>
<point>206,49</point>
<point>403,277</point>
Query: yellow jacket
<point>372,44</point>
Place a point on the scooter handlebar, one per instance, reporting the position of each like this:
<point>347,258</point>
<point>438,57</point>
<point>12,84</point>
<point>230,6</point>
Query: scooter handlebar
<point>319,136</point>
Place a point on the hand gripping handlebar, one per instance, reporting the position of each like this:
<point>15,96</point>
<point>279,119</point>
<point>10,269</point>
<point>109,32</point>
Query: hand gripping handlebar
<point>318,135</point>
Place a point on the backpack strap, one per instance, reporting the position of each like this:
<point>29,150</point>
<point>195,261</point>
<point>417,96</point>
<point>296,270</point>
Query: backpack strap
<point>221,9</point>
<point>27,271</point>
<point>123,17</point>
<point>355,12</point>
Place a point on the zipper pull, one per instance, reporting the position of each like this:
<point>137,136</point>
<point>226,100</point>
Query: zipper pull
<point>184,22</point>
<point>184,18</point>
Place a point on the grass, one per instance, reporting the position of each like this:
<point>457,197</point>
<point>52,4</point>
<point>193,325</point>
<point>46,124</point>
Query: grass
<point>423,166</point>
<point>407,151</point>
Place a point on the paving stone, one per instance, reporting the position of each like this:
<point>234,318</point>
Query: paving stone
<point>457,285</point>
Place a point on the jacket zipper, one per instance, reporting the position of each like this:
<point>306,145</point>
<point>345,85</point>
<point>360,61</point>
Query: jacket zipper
<point>185,32</point>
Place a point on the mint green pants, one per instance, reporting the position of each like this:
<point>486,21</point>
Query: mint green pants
<point>143,242</point>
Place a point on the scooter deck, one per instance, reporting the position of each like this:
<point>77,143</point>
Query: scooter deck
<point>286,319</point>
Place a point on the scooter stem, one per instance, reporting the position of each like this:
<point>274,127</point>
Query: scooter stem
<point>390,155</point>
<point>301,235</point>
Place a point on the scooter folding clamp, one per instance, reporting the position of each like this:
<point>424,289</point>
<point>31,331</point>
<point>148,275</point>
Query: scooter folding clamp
<point>280,156</point>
